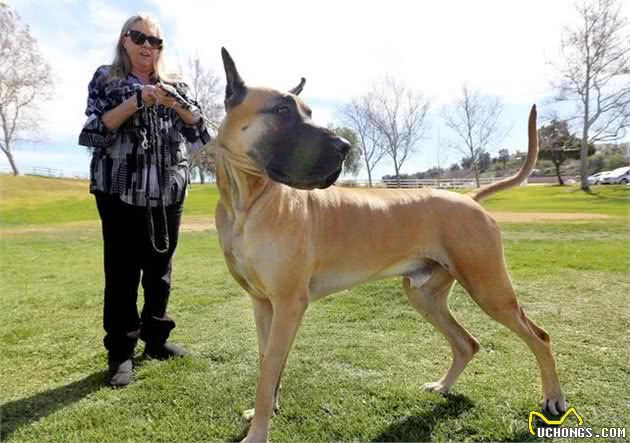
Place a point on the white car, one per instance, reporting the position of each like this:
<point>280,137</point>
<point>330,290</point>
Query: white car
<point>618,176</point>
<point>595,178</point>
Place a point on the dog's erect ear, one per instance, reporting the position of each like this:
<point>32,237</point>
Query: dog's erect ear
<point>234,87</point>
<point>299,87</point>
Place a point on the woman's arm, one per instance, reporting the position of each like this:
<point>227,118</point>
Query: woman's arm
<point>114,118</point>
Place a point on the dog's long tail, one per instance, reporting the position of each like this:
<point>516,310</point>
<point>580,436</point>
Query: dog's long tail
<point>523,173</point>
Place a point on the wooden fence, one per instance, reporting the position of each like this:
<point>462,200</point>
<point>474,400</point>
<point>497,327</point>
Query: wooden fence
<point>440,183</point>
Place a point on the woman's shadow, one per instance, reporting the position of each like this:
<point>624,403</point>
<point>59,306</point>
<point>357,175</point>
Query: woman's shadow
<point>18,413</point>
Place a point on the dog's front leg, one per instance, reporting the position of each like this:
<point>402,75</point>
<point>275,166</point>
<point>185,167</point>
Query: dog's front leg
<point>263,313</point>
<point>287,316</point>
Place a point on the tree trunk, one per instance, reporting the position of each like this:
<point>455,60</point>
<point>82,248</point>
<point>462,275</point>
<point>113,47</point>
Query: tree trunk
<point>369,171</point>
<point>202,177</point>
<point>584,149</point>
<point>584,161</point>
<point>397,174</point>
<point>11,162</point>
<point>560,181</point>
<point>476,174</point>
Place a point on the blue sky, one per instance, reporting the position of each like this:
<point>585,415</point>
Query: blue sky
<point>503,48</point>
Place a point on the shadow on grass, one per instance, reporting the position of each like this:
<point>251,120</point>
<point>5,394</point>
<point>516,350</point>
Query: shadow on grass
<point>239,437</point>
<point>18,413</point>
<point>525,435</point>
<point>420,427</point>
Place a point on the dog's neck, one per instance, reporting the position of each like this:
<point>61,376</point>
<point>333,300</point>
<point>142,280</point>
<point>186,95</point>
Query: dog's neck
<point>239,184</point>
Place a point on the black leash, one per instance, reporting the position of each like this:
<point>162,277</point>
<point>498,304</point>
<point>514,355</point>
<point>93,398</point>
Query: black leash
<point>152,143</point>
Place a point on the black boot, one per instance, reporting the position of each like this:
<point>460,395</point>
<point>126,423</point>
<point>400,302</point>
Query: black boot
<point>120,373</point>
<point>163,351</point>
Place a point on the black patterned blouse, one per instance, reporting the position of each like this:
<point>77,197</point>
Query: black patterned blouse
<point>150,145</point>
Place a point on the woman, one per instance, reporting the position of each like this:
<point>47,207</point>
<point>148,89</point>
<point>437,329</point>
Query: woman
<point>138,120</point>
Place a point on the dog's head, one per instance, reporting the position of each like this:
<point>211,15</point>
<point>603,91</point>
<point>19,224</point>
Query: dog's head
<point>273,132</point>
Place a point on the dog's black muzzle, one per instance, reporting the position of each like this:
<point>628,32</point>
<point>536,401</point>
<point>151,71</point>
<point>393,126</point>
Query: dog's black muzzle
<point>316,162</point>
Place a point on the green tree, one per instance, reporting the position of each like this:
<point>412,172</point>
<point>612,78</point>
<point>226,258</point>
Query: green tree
<point>504,157</point>
<point>352,163</point>
<point>479,162</point>
<point>557,144</point>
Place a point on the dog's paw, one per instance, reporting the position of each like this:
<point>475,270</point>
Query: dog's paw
<point>555,405</point>
<point>248,415</point>
<point>437,387</point>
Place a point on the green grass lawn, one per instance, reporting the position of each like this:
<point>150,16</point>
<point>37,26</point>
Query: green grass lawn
<point>36,201</point>
<point>360,358</point>
<point>610,200</point>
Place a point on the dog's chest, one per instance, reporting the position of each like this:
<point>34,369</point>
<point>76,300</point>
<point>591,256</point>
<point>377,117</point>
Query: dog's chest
<point>240,263</point>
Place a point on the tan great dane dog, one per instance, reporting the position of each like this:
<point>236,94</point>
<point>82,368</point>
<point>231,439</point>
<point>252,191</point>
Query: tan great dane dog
<point>288,244</point>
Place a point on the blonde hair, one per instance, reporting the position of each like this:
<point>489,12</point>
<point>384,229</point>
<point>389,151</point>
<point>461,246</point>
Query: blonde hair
<point>121,66</point>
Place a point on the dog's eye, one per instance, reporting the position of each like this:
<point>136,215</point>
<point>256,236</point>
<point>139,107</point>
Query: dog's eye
<point>283,110</point>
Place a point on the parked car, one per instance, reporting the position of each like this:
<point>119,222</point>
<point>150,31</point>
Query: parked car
<point>619,175</point>
<point>595,178</point>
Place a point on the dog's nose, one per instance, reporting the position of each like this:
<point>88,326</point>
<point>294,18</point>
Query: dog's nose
<point>341,145</point>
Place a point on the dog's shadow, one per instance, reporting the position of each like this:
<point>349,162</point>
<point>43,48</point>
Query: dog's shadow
<point>18,413</point>
<point>420,427</point>
<point>412,428</point>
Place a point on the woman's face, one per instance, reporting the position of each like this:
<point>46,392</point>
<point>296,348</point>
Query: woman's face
<point>142,57</point>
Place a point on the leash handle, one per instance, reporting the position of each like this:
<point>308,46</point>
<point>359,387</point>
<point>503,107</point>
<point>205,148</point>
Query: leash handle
<point>171,91</point>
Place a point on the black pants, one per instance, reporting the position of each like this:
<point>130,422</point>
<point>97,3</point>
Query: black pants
<point>128,255</point>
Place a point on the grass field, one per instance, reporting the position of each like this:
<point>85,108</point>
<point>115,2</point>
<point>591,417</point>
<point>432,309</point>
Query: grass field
<point>360,358</point>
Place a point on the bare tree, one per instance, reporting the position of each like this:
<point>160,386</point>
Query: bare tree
<point>25,80</point>
<point>441,157</point>
<point>206,90</point>
<point>474,118</point>
<point>356,116</point>
<point>399,115</point>
<point>595,75</point>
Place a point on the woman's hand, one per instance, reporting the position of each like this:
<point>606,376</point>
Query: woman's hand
<point>162,98</point>
<point>154,95</point>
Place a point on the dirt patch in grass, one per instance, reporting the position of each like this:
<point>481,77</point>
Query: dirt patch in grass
<point>189,224</point>
<point>538,217</point>
<point>197,223</point>
<point>56,227</point>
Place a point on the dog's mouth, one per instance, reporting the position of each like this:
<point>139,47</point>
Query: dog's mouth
<point>279,176</point>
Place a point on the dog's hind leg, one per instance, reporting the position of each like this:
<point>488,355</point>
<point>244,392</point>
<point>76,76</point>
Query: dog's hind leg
<point>489,285</point>
<point>430,300</point>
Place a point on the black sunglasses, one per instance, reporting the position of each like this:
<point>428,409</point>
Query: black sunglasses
<point>139,38</point>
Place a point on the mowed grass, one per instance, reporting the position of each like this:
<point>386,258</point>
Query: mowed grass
<point>30,200</point>
<point>360,359</point>
<point>603,199</point>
